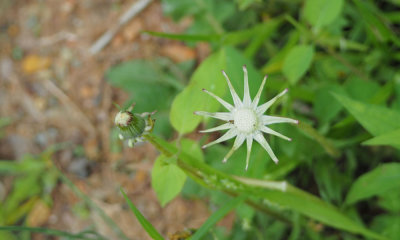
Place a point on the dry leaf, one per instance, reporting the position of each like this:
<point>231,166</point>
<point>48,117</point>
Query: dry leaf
<point>34,63</point>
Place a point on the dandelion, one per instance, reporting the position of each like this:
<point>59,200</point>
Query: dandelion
<point>246,120</point>
<point>133,126</point>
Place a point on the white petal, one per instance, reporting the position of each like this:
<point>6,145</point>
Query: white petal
<point>257,97</point>
<point>236,99</point>
<point>226,116</point>
<point>220,100</point>
<point>249,144</point>
<point>261,109</point>
<point>267,120</point>
<point>131,143</point>
<point>246,94</point>
<point>270,131</point>
<point>228,135</point>
<point>238,142</point>
<point>221,127</point>
<point>261,140</point>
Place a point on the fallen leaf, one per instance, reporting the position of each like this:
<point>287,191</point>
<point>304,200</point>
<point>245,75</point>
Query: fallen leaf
<point>34,63</point>
<point>39,214</point>
<point>178,53</point>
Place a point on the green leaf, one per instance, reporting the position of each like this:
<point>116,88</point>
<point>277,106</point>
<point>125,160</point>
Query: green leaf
<point>378,181</point>
<point>216,216</point>
<point>322,12</point>
<point>325,106</point>
<point>167,179</point>
<point>376,119</point>
<point>387,225</point>
<point>391,138</point>
<point>191,99</point>
<point>147,84</point>
<point>142,220</point>
<point>208,76</point>
<point>297,62</point>
<point>390,201</point>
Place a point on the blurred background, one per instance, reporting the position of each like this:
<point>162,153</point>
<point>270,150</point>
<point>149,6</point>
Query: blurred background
<point>64,63</point>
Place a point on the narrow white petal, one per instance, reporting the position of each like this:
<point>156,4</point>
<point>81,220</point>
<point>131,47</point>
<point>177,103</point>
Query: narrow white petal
<point>267,120</point>
<point>261,140</point>
<point>249,144</point>
<point>238,142</point>
<point>270,131</point>
<point>228,135</point>
<point>246,93</point>
<point>220,100</point>
<point>261,109</point>
<point>221,127</point>
<point>235,97</point>
<point>257,97</point>
<point>226,116</point>
<point>130,143</point>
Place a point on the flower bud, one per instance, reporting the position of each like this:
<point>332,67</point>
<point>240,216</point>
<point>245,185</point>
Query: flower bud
<point>131,125</point>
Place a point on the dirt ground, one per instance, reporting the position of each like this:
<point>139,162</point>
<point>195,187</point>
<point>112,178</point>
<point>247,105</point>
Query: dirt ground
<point>55,91</point>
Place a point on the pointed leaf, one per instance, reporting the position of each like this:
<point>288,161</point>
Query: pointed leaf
<point>297,62</point>
<point>142,220</point>
<point>378,181</point>
<point>374,118</point>
<point>392,138</point>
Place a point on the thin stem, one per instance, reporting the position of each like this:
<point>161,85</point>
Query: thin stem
<point>198,174</point>
<point>91,204</point>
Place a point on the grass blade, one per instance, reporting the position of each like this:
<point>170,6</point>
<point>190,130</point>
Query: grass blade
<point>53,232</point>
<point>92,205</point>
<point>185,37</point>
<point>146,224</point>
<point>216,216</point>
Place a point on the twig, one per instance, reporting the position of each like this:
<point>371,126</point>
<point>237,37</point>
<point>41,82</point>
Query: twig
<point>60,36</point>
<point>136,8</point>
<point>64,99</point>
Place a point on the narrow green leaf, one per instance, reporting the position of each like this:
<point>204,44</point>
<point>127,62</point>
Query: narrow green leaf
<point>53,232</point>
<point>216,216</point>
<point>186,37</point>
<point>391,138</point>
<point>297,62</point>
<point>375,26</point>
<point>322,12</point>
<point>375,119</point>
<point>324,142</point>
<point>275,64</point>
<point>266,31</point>
<point>378,181</point>
<point>142,220</point>
<point>93,205</point>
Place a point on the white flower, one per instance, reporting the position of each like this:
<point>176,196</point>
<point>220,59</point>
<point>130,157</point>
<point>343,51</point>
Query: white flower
<point>245,120</point>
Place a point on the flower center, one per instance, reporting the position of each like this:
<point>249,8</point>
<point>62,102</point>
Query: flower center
<point>245,120</point>
<point>123,119</point>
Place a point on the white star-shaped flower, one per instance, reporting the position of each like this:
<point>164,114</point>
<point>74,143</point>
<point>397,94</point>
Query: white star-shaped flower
<point>245,120</point>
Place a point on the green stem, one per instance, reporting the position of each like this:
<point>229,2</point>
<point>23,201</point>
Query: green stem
<point>206,176</point>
